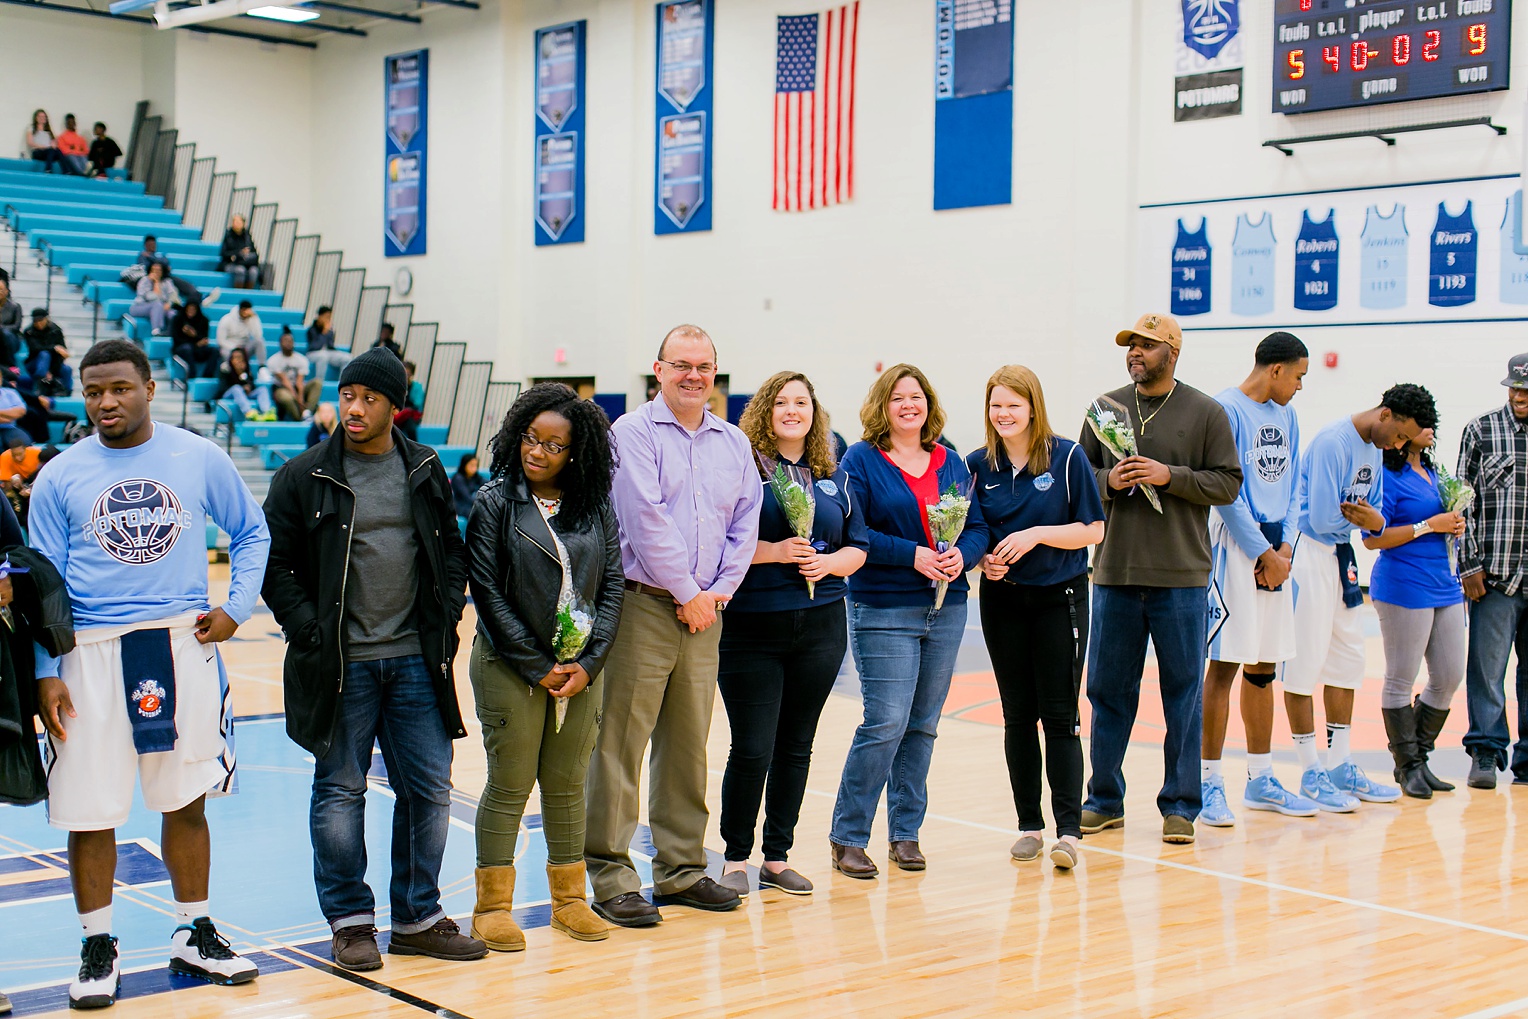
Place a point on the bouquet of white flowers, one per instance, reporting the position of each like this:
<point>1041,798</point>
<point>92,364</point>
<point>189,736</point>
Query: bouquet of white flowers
<point>946,521</point>
<point>794,494</point>
<point>575,621</point>
<point>1111,423</point>
<point>1457,496</point>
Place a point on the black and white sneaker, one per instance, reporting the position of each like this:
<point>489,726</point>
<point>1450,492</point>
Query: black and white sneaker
<point>99,981</point>
<point>198,950</point>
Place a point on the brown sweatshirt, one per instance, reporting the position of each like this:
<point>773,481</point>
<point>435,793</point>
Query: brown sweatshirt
<point>1191,434</point>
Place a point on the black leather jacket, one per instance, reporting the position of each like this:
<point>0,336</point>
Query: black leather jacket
<point>516,578</point>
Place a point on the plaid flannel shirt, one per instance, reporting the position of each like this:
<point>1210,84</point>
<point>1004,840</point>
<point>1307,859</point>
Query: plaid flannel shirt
<point>1493,458</point>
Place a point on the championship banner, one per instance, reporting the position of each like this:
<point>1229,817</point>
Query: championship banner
<point>973,103</point>
<point>559,150</point>
<point>1208,82</point>
<point>682,146</point>
<point>1401,254</point>
<point>406,80</point>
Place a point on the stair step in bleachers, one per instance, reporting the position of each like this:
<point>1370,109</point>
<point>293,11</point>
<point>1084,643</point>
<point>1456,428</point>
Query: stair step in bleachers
<point>267,303</point>
<point>203,279</point>
<point>115,174</point>
<point>153,219</point>
<point>34,222</point>
<point>171,247</point>
<point>107,196</point>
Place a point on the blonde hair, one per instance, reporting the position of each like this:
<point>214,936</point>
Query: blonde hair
<point>1026,384</point>
<point>877,422</point>
<point>758,424</point>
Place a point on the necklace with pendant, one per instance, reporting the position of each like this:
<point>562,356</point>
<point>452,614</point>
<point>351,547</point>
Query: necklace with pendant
<point>1145,420</point>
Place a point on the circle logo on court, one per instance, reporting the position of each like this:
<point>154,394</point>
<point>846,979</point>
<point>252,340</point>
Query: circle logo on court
<point>137,522</point>
<point>1271,454</point>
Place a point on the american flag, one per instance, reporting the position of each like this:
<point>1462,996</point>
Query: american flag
<point>814,108</point>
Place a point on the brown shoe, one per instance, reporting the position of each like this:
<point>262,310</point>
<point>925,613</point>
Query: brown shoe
<point>355,948</point>
<point>851,861</point>
<point>629,909</point>
<point>907,856</point>
<point>703,894</point>
<point>493,923</point>
<point>443,941</point>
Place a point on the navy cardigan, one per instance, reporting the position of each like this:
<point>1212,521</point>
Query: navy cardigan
<point>895,522</point>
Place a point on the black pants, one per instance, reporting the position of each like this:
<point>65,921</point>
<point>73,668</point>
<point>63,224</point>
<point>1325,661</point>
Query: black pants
<point>201,359</point>
<point>775,674</point>
<point>1037,638</point>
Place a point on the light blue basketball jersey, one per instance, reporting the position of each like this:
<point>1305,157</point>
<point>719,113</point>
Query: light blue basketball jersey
<point>1514,267</point>
<point>1383,281</point>
<point>1252,259</point>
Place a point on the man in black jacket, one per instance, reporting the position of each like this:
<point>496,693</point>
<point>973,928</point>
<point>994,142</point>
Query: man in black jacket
<point>367,578</point>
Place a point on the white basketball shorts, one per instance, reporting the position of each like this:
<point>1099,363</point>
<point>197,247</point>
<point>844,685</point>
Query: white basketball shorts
<point>1248,624</point>
<point>90,774</point>
<point>1329,636</point>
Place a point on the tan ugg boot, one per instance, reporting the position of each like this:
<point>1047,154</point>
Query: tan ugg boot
<point>492,922</point>
<point>570,910</point>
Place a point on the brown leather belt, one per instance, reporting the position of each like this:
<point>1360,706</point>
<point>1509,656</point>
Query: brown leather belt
<point>641,588</point>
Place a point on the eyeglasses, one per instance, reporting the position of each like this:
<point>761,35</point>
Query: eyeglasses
<point>684,368</point>
<point>528,441</point>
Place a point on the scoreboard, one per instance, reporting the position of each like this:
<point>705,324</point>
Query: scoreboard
<point>1338,54</point>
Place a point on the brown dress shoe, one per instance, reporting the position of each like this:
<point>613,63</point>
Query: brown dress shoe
<point>907,856</point>
<point>851,861</point>
<point>443,941</point>
<point>629,909</point>
<point>355,948</point>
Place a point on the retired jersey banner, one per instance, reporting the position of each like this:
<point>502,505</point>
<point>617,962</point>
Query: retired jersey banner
<point>682,171</point>
<point>559,149</point>
<point>1208,79</point>
<point>406,80</point>
<point>973,103</point>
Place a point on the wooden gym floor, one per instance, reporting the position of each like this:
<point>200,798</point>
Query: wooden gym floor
<point>1412,908</point>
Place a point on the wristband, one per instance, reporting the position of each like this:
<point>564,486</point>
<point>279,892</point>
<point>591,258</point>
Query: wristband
<point>1420,528</point>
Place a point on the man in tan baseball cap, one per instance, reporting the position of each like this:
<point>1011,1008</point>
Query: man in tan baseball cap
<point>1162,328</point>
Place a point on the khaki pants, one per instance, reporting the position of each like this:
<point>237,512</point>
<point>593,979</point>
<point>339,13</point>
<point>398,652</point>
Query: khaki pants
<point>660,683</point>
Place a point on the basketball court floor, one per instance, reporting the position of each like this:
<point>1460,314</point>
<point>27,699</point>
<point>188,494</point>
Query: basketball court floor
<point>1413,908</point>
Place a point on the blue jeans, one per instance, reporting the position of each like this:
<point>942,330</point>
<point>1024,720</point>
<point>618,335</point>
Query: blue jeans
<point>905,656</point>
<point>1497,621</point>
<point>1123,618</point>
<point>242,401</point>
<point>391,702</point>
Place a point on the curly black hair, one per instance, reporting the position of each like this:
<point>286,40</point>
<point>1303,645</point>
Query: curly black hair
<point>1407,400</point>
<point>585,481</point>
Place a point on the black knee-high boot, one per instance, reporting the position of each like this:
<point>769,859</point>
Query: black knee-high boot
<point>1429,724</point>
<point>1401,727</point>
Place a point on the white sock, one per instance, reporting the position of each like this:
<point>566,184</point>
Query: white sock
<point>1208,770</point>
<point>1305,747</point>
<point>185,912</point>
<point>96,921</point>
<point>1259,765</point>
<point>1337,744</point>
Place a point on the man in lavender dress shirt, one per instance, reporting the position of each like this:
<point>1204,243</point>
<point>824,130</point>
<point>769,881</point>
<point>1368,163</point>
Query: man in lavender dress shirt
<point>687,496</point>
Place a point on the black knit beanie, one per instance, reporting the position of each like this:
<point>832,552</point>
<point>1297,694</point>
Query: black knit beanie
<point>381,370</point>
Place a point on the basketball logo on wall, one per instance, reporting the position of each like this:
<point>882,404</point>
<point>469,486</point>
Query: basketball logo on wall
<point>137,522</point>
<point>1209,61</point>
<point>1209,24</point>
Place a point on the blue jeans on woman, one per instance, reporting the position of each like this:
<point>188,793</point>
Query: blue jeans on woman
<point>391,702</point>
<point>1175,620</point>
<point>1497,621</point>
<point>905,656</point>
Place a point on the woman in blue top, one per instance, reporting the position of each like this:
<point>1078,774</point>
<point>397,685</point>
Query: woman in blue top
<point>782,646</point>
<point>1041,504</point>
<point>1421,611</point>
<point>903,647</point>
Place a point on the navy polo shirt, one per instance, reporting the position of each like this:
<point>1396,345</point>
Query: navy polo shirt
<point>780,587</point>
<point>1065,493</point>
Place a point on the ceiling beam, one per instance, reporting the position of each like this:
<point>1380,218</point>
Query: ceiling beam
<point>469,4</point>
<point>203,29</point>
<point>328,5</point>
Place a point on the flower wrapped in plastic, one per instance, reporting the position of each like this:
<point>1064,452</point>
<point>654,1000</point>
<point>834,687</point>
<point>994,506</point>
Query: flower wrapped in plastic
<point>946,521</point>
<point>792,488</point>
<point>1111,423</point>
<point>1457,496</point>
<point>575,621</point>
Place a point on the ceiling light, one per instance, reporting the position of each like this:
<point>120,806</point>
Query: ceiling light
<point>282,14</point>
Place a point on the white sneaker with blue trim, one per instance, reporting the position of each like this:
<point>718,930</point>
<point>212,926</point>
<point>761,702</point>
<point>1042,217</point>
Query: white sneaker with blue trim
<point>1350,778</point>
<point>1265,793</point>
<point>1317,785</point>
<point>1215,812</point>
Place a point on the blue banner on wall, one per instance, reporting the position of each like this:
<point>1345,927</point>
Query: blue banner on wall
<point>973,103</point>
<point>406,77</point>
<point>559,150</point>
<point>682,171</point>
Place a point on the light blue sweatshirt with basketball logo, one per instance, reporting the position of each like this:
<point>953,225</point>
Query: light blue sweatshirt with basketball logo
<point>1268,442</point>
<point>127,530</point>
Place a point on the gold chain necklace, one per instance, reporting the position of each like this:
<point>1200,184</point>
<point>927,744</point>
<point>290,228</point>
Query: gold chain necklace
<point>1140,414</point>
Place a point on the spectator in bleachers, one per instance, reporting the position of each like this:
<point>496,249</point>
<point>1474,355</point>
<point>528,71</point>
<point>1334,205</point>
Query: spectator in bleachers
<point>238,381</point>
<point>385,339</point>
<point>242,328</point>
<point>325,420</point>
<point>150,253</point>
<point>291,388</point>
<point>73,147</point>
<point>104,152</point>
<point>10,324</point>
<point>409,416</point>
<point>12,409</point>
<point>238,256</point>
<point>19,464</point>
<point>465,483</point>
<point>191,337</point>
<point>41,143</point>
<point>156,299</point>
<point>415,398</point>
<point>47,356</point>
<point>40,414</point>
<point>322,353</point>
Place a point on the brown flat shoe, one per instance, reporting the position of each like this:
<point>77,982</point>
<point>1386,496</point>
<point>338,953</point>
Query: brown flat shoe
<point>851,861</point>
<point>907,856</point>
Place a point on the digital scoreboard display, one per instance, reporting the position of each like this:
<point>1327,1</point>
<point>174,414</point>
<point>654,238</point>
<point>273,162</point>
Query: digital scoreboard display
<point>1338,54</point>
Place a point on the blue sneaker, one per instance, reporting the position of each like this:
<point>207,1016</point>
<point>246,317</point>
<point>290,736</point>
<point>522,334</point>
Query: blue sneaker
<point>1316,785</point>
<point>1350,778</point>
<point>1265,793</point>
<point>1215,812</point>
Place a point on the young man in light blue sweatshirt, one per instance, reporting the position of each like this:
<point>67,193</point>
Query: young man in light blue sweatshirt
<point>1339,489</point>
